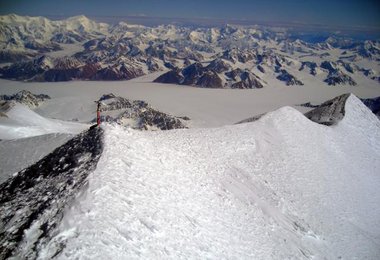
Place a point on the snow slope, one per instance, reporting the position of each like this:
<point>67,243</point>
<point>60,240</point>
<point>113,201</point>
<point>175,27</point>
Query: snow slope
<point>20,121</point>
<point>282,187</point>
<point>17,154</point>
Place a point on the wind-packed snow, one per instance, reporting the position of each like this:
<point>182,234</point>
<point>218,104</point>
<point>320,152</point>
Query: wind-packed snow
<point>282,187</point>
<point>20,122</point>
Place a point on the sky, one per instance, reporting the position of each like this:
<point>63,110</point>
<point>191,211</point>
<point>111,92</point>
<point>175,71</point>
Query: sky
<point>348,13</point>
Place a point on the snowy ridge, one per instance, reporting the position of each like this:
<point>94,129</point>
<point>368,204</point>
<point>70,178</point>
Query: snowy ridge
<point>279,188</point>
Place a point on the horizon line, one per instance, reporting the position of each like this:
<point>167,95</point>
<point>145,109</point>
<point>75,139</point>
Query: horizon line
<point>212,21</point>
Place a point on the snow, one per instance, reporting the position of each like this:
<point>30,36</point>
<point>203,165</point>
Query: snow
<point>282,187</point>
<point>21,122</point>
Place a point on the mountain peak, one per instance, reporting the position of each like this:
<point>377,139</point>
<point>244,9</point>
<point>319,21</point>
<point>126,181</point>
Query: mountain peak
<point>79,18</point>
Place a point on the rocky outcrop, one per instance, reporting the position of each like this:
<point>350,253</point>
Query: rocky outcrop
<point>261,68</point>
<point>373,104</point>
<point>170,77</point>
<point>329,112</point>
<point>192,73</point>
<point>335,75</point>
<point>339,78</point>
<point>336,105</point>
<point>312,66</point>
<point>288,78</point>
<point>245,80</point>
<point>27,98</point>
<point>137,114</point>
<point>219,66</point>
<point>210,79</point>
<point>251,119</point>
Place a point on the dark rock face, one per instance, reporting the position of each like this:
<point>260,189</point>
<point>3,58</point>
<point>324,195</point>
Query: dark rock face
<point>210,79</point>
<point>36,197</point>
<point>234,74</point>
<point>248,80</point>
<point>150,118</point>
<point>170,77</point>
<point>308,104</point>
<point>288,78</point>
<point>329,66</point>
<point>338,78</point>
<point>251,119</point>
<point>260,68</point>
<point>54,75</point>
<point>347,66</point>
<point>373,104</point>
<point>329,112</point>
<point>26,97</point>
<point>335,106</point>
<point>192,73</point>
<point>88,71</point>
<point>219,66</point>
<point>311,65</point>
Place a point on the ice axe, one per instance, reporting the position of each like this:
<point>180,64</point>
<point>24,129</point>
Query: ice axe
<point>98,112</point>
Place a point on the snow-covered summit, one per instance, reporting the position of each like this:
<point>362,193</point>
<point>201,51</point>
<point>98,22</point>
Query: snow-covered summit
<point>278,188</point>
<point>273,189</point>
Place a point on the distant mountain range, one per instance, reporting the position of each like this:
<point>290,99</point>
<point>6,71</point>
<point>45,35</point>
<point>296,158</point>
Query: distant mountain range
<point>39,49</point>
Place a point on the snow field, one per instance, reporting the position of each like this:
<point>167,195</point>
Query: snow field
<point>21,122</point>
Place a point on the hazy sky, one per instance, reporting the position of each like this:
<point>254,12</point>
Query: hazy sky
<point>328,12</point>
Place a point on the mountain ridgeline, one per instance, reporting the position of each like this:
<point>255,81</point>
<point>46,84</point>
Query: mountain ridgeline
<point>39,49</point>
